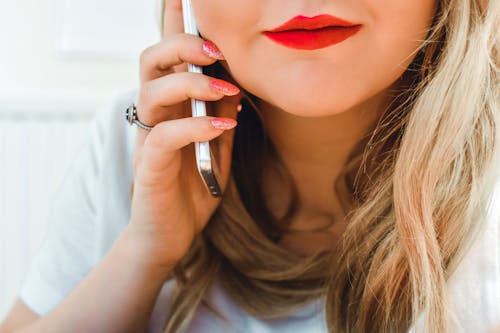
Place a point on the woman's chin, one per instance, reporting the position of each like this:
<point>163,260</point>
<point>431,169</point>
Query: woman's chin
<point>308,108</point>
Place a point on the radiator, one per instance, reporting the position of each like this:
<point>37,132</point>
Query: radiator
<point>35,151</point>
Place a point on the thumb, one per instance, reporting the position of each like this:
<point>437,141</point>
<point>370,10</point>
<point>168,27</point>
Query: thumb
<point>172,18</point>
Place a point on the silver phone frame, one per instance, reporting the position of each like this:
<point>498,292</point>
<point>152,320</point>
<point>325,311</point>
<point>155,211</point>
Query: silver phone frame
<point>198,109</point>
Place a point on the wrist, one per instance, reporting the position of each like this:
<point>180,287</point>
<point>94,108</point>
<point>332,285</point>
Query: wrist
<point>140,254</point>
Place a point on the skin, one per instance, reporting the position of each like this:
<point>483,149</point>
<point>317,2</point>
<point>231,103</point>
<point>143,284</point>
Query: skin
<point>163,163</point>
<point>361,75</point>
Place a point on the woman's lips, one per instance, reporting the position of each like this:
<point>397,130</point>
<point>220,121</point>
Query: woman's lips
<point>310,33</point>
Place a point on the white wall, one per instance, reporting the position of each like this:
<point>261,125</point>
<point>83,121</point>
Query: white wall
<point>33,69</point>
<point>59,61</point>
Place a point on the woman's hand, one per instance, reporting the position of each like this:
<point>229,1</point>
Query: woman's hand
<point>170,203</point>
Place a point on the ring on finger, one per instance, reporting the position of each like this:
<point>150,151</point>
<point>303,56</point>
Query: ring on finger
<point>131,117</point>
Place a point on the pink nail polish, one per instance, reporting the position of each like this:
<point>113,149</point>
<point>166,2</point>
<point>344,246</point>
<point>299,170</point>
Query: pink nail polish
<point>224,87</point>
<point>223,123</point>
<point>211,50</point>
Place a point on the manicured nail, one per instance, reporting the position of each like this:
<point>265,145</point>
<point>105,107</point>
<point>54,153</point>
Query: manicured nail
<point>211,50</point>
<point>223,123</point>
<point>224,87</point>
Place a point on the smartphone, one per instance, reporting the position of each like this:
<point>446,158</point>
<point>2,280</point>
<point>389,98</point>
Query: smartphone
<point>204,160</point>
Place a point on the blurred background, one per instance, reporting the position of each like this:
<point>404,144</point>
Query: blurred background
<point>60,61</point>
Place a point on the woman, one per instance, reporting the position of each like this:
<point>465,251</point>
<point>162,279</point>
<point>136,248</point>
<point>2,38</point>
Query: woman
<point>357,179</point>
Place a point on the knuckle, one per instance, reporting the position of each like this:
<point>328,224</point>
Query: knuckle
<point>156,137</point>
<point>145,54</point>
<point>145,104</point>
<point>183,82</point>
<point>194,85</point>
<point>176,85</point>
<point>172,40</point>
<point>145,99</point>
<point>176,38</point>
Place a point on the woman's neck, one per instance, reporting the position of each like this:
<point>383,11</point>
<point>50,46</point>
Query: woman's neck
<point>315,151</point>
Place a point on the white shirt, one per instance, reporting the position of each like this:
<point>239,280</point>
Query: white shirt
<point>93,207</point>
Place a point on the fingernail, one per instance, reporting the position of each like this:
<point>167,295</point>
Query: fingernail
<point>224,87</point>
<point>223,123</point>
<point>211,50</point>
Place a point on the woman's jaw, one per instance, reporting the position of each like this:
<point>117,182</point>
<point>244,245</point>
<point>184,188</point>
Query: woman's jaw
<point>318,82</point>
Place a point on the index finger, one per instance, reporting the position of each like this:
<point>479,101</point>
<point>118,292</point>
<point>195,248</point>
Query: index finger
<point>172,22</point>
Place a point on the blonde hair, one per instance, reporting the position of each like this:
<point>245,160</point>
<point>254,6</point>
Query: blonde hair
<point>420,186</point>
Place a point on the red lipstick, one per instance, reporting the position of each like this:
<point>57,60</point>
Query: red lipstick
<point>310,33</point>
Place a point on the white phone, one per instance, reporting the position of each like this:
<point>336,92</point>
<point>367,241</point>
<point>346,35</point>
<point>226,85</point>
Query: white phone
<point>204,159</point>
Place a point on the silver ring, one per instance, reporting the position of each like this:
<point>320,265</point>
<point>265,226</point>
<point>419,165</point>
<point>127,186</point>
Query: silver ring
<point>131,117</point>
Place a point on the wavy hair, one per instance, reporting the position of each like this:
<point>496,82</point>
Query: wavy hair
<point>420,185</point>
